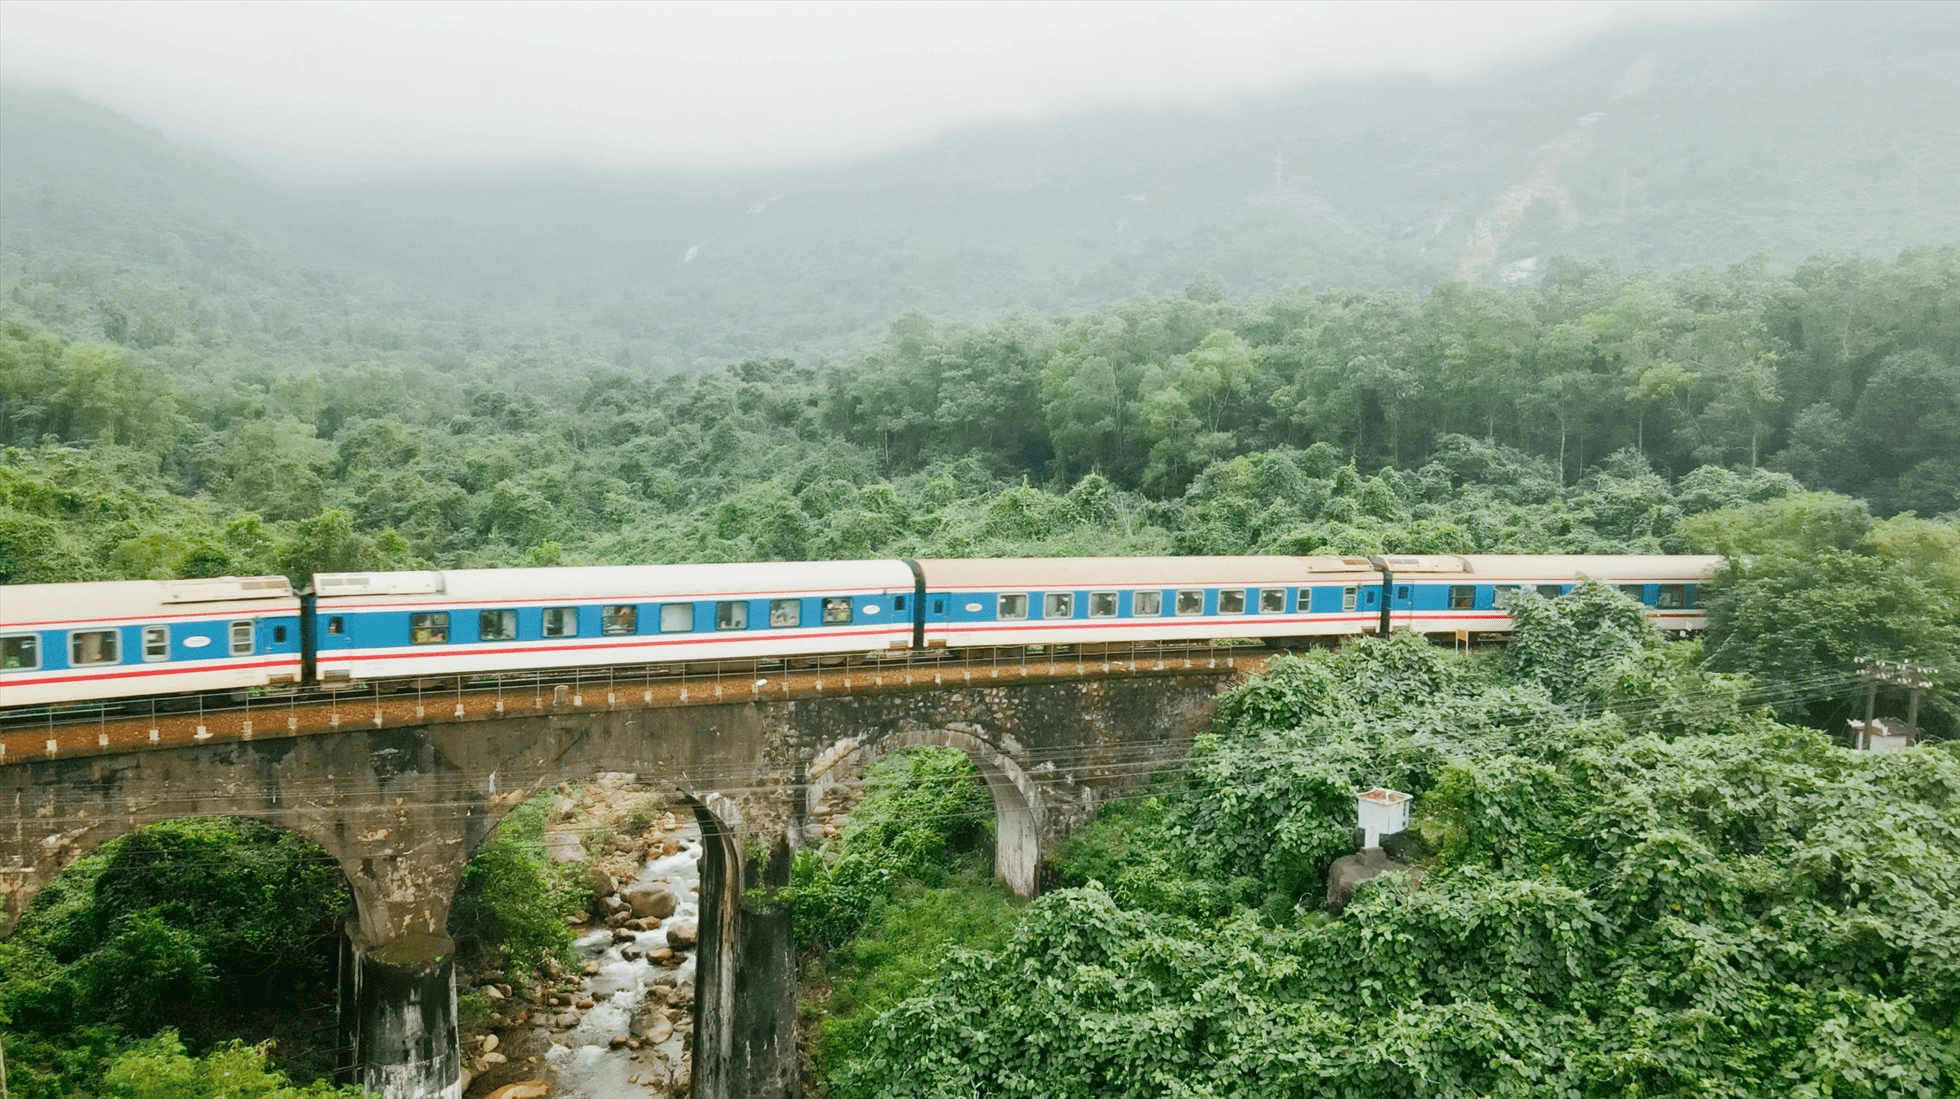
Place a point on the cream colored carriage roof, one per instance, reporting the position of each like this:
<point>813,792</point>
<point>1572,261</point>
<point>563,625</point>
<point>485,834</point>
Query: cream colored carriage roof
<point>1020,573</point>
<point>1681,568</point>
<point>22,604</point>
<point>623,581</point>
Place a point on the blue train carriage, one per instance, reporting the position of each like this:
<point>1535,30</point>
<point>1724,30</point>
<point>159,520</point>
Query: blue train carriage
<point>1095,600</point>
<point>371,626</point>
<point>63,643</point>
<point>1447,593</point>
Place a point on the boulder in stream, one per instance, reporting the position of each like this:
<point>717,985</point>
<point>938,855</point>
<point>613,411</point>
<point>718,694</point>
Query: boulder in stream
<point>651,901</point>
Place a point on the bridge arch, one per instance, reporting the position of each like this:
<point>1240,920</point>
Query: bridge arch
<point>315,919</point>
<point>1019,805</point>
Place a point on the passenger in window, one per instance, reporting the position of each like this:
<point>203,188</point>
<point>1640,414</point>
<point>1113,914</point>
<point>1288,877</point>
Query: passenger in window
<point>620,619</point>
<point>23,652</point>
<point>429,628</point>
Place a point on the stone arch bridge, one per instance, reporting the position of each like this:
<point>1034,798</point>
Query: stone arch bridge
<point>402,803</point>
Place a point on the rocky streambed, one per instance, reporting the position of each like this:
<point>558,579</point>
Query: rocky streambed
<point>622,1022</point>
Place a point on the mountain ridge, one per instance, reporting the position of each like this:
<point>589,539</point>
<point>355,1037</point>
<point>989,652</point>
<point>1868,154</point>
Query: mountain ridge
<point>1786,135</point>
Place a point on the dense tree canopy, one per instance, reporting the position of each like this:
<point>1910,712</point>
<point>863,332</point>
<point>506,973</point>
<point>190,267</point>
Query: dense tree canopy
<point>207,925</point>
<point>1634,886</point>
<point>1637,882</point>
<point>1588,374</point>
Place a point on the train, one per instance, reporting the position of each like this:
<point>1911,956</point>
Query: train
<point>67,644</point>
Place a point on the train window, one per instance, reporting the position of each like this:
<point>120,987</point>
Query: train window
<point>156,642</point>
<point>22,652</point>
<point>1502,590</point>
<point>1631,591</point>
<point>676,618</point>
<point>1463,597</point>
<point>1672,597</point>
<point>619,618</point>
<point>837,610</point>
<point>1550,591</point>
<point>496,625</point>
<point>732,614</point>
<point>428,627</point>
<point>278,635</point>
<point>1102,604</point>
<point>1347,598</point>
<point>1231,601</point>
<point>1058,604</point>
<point>561,621</point>
<point>1272,600</point>
<point>1013,605</point>
<point>336,625</point>
<point>939,604</point>
<point>1147,604</point>
<point>1401,591</point>
<point>1190,602</point>
<point>241,639</point>
<point>898,603</point>
<point>785,612</point>
<point>92,647</point>
<point>1694,597</point>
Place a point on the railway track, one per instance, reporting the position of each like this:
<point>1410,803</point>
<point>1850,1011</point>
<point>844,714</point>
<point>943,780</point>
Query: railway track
<point>145,724</point>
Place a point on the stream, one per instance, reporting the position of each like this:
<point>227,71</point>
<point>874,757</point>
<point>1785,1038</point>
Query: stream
<point>628,1028</point>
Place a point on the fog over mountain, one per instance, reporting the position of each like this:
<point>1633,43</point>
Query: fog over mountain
<point>342,93</point>
<point>1787,133</point>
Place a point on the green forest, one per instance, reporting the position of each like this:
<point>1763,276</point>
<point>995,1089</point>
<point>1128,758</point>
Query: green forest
<point>1806,423</point>
<point>1666,292</point>
<point>1646,868</point>
<point>1588,411</point>
<point>1624,881</point>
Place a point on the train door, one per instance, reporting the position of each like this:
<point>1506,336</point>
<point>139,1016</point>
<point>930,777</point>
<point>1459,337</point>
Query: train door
<point>329,633</point>
<point>1402,604</point>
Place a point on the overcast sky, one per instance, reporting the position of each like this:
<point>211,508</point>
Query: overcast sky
<point>336,92</point>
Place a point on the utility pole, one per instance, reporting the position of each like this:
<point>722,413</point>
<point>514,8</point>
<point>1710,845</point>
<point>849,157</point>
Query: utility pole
<point>1873,733</point>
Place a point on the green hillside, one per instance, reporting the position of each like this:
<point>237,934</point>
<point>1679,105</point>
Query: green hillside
<point>1792,133</point>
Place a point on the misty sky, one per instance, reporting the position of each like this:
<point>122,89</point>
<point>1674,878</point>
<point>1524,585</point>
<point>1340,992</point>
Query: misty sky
<point>335,92</point>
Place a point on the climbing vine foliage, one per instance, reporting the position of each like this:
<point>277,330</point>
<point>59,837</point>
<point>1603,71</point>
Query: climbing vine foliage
<point>1631,886</point>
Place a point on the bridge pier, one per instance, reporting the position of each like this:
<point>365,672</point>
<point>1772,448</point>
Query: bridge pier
<point>745,968</point>
<point>398,1016</point>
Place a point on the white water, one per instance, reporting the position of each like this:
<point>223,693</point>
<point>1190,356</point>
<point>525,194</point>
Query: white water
<point>587,1066</point>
